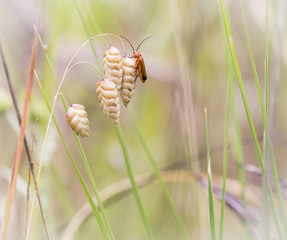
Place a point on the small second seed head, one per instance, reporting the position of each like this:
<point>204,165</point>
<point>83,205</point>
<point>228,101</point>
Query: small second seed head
<point>77,117</point>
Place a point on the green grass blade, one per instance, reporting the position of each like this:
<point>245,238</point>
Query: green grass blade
<point>265,112</point>
<point>66,205</point>
<point>252,62</point>
<point>121,140</point>
<point>94,186</point>
<point>275,213</point>
<point>266,146</point>
<point>225,151</point>
<point>240,83</point>
<point>210,190</point>
<point>51,69</point>
<point>122,143</point>
<point>89,35</point>
<point>279,194</point>
<point>268,159</point>
<point>86,164</point>
<point>133,182</point>
<point>84,186</point>
<point>266,73</point>
<point>92,17</point>
<point>239,158</point>
<point>156,171</point>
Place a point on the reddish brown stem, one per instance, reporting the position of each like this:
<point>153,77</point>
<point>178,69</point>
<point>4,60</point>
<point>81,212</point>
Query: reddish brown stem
<point>17,160</point>
<point>27,210</point>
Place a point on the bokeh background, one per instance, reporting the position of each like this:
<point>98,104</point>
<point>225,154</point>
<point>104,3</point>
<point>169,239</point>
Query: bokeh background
<point>186,66</point>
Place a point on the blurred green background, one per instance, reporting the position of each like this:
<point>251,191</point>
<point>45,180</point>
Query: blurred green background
<point>186,68</point>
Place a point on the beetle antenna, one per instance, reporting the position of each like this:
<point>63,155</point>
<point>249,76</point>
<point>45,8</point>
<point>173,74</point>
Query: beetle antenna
<point>61,93</point>
<point>142,42</point>
<point>128,42</point>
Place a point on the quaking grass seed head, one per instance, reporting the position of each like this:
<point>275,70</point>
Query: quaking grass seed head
<point>77,117</point>
<point>112,65</point>
<point>128,81</point>
<point>108,96</point>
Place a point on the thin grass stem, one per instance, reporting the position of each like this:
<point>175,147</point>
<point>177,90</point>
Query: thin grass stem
<point>240,83</point>
<point>225,151</point>
<point>88,33</point>
<point>84,186</point>
<point>64,199</point>
<point>210,187</point>
<point>275,213</point>
<point>86,164</point>
<point>156,171</point>
<point>255,75</point>
<point>17,160</point>
<point>94,186</point>
<point>266,146</point>
<point>133,182</point>
<point>26,145</point>
<point>279,194</point>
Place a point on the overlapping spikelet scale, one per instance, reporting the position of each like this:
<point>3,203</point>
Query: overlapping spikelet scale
<point>112,64</point>
<point>128,81</point>
<point>77,117</point>
<point>108,96</point>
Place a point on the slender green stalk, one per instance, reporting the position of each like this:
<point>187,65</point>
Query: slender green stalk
<point>88,34</point>
<point>51,69</point>
<point>92,16</point>
<point>5,222</point>
<point>266,73</point>
<point>156,171</point>
<point>240,83</point>
<point>267,191</point>
<point>210,191</point>
<point>275,213</point>
<point>26,145</point>
<point>279,194</point>
<point>133,182</point>
<point>239,158</point>
<point>250,121</point>
<point>84,186</point>
<point>65,202</point>
<point>252,62</point>
<point>238,143</point>
<point>90,175</point>
<point>121,140</point>
<point>265,174</point>
<point>225,154</point>
<point>277,65</point>
<point>86,164</point>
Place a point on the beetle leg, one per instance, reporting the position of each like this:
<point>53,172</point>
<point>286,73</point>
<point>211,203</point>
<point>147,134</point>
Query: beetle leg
<point>137,70</point>
<point>136,77</point>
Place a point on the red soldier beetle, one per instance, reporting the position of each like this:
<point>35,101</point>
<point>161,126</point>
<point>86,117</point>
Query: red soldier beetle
<point>139,60</point>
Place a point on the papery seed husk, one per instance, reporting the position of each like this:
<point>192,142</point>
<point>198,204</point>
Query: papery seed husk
<point>77,117</point>
<point>108,96</point>
<point>112,65</point>
<point>128,81</point>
